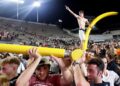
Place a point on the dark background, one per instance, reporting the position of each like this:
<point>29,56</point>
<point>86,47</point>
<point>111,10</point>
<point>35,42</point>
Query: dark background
<point>53,10</point>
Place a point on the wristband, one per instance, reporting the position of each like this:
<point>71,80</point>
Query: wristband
<point>75,63</point>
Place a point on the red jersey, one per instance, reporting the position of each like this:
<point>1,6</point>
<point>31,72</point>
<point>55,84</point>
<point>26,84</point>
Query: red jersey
<point>52,80</point>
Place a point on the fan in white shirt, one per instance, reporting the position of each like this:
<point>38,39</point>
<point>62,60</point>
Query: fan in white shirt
<point>110,76</point>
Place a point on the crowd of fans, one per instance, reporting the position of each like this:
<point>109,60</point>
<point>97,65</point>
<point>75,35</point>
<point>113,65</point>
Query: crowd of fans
<point>7,36</point>
<point>98,66</point>
<point>54,71</point>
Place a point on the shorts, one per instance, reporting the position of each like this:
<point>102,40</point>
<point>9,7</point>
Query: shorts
<point>81,34</point>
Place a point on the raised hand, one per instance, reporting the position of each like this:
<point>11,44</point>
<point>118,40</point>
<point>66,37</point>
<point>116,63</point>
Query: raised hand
<point>67,8</point>
<point>33,52</point>
<point>59,61</point>
<point>82,59</point>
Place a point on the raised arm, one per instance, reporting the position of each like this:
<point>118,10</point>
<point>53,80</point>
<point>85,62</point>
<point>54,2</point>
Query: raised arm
<point>23,79</point>
<point>79,77</point>
<point>67,76</point>
<point>79,72</point>
<point>74,14</point>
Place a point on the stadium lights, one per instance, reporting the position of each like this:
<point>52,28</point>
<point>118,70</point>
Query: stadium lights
<point>36,4</point>
<point>18,2</point>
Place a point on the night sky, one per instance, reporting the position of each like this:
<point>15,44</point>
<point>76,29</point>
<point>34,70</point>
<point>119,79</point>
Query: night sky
<point>52,10</point>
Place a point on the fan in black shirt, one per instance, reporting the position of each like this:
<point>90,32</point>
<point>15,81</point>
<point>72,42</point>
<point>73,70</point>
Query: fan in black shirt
<point>13,81</point>
<point>94,73</point>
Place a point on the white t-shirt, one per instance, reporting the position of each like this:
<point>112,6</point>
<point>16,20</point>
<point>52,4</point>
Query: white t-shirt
<point>112,78</point>
<point>20,68</point>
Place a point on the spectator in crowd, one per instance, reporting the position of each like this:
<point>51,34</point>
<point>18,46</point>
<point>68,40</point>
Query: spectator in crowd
<point>112,64</point>
<point>41,67</point>
<point>5,35</point>
<point>9,68</point>
<point>94,70</point>
<point>110,76</point>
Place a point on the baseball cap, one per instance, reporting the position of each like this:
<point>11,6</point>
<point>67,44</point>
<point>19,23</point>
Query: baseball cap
<point>44,61</point>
